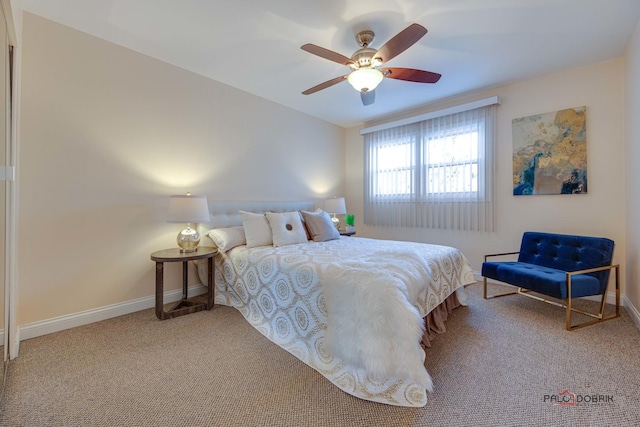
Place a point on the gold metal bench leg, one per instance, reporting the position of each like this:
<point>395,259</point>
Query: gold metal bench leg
<point>599,317</point>
<point>569,308</point>
<point>487,296</point>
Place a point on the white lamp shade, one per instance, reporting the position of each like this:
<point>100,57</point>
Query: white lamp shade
<point>194,209</point>
<point>335,205</point>
<point>365,79</point>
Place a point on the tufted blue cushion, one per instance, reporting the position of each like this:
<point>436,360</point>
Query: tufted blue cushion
<point>545,280</point>
<point>545,257</point>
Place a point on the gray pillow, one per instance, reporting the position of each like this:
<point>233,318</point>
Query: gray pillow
<point>319,226</point>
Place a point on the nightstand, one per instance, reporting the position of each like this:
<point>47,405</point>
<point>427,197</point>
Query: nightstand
<point>185,305</point>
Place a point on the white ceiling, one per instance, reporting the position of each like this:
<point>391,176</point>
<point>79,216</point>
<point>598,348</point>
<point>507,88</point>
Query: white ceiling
<point>254,45</point>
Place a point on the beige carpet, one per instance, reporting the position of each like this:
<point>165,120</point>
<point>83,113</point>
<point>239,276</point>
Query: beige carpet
<point>495,366</point>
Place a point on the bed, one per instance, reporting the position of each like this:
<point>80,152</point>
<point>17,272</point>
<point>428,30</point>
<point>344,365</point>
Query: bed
<point>359,311</point>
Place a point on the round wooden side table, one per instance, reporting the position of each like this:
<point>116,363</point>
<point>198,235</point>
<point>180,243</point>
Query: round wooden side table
<point>185,305</point>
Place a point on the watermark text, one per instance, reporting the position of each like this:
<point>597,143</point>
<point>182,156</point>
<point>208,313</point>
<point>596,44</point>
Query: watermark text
<point>568,398</point>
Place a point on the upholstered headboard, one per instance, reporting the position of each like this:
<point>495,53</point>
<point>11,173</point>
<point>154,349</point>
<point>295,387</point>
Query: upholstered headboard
<point>225,214</point>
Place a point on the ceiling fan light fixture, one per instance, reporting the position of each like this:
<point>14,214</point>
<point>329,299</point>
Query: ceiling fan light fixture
<point>365,79</point>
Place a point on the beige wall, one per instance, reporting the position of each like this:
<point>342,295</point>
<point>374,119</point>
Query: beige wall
<point>108,134</point>
<point>601,212</point>
<point>105,132</point>
<point>632,113</point>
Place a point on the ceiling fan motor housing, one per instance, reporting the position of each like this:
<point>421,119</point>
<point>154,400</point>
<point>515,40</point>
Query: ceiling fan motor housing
<point>362,57</point>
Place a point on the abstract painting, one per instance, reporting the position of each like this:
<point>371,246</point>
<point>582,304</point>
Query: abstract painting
<point>550,153</point>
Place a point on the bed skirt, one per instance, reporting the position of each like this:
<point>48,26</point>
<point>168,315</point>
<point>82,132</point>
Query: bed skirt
<point>434,321</point>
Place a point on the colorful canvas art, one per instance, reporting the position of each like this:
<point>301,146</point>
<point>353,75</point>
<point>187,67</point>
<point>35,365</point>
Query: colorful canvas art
<point>550,153</point>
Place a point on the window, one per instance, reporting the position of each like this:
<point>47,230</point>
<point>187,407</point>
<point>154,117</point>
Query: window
<point>452,166</point>
<point>395,170</point>
<point>435,173</point>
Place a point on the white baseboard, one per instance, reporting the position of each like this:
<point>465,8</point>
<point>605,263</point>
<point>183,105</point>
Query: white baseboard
<point>61,323</point>
<point>631,310</point>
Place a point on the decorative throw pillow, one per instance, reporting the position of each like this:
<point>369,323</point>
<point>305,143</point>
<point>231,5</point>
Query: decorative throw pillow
<point>306,229</point>
<point>286,228</point>
<point>320,226</point>
<point>256,229</point>
<point>227,238</point>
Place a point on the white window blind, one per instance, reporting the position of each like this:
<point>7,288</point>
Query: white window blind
<point>434,173</point>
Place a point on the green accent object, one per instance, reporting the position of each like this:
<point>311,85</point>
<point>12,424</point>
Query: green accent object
<point>350,219</point>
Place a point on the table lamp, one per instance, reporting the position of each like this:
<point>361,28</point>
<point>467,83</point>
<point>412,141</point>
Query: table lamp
<point>189,209</point>
<point>335,206</point>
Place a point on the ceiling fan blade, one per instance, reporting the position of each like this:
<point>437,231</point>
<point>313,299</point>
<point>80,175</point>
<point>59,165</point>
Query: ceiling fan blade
<point>401,42</point>
<point>411,75</point>
<point>368,97</point>
<point>325,85</point>
<point>326,54</point>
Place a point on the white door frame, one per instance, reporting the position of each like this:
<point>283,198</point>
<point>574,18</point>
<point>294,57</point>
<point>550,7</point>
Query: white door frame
<point>13,19</point>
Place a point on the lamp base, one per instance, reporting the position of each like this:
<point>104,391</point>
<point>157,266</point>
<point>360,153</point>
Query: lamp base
<point>188,251</point>
<point>188,240</point>
<point>336,222</point>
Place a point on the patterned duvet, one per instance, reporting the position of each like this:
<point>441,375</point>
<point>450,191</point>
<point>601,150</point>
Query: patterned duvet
<point>308,298</point>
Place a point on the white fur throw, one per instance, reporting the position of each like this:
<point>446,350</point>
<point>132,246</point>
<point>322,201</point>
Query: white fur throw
<point>373,323</point>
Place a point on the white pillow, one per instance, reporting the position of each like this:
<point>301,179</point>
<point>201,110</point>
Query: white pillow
<point>227,238</point>
<point>286,228</point>
<point>256,229</point>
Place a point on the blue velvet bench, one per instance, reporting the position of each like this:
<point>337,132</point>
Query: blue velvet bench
<point>560,266</point>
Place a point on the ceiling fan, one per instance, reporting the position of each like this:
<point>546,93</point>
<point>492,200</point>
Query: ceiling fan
<point>365,63</point>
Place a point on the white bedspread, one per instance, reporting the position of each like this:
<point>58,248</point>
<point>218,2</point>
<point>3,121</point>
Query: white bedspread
<point>351,308</point>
